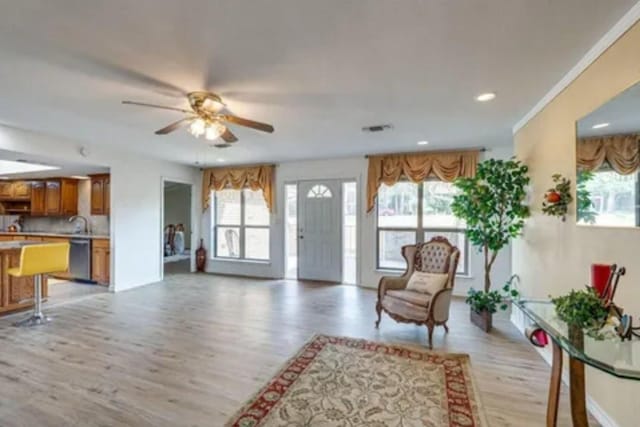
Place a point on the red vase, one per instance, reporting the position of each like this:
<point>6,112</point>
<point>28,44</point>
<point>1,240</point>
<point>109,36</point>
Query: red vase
<point>201,257</point>
<point>599,277</point>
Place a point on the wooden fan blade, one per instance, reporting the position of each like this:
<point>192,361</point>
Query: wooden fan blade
<point>248,123</point>
<point>173,126</point>
<point>164,107</point>
<point>228,136</point>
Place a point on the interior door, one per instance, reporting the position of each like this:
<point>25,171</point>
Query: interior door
<point>320,230</point>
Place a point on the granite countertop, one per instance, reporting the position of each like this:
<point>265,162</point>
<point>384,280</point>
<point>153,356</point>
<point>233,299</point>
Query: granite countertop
<point>15,245</point>
<point>49,234</point>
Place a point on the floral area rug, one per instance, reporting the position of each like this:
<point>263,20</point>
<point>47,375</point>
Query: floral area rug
<point>345,382</point>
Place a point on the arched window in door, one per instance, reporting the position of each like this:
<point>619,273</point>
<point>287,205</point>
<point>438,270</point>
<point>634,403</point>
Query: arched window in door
<point>319,192</point>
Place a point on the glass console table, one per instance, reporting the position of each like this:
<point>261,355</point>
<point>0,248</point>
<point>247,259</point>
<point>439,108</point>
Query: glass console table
<point>621,359</point>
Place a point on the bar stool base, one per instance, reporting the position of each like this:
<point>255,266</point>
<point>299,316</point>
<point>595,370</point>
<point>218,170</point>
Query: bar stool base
<point>33,320</point>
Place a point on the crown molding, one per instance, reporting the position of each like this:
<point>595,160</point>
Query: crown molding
<point>621,27</point>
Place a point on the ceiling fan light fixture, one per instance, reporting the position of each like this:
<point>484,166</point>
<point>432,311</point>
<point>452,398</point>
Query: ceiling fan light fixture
<point>197,128</point>
<point>213,131</point>
<point>212,105</point>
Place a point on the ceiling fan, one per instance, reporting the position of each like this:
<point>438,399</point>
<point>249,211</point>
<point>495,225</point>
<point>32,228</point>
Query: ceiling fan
<point>207,118</point>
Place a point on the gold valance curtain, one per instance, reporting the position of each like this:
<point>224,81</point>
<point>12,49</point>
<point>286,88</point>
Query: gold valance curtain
<point>237,178</point>
<point>390,168</point>
<point>621,152</point>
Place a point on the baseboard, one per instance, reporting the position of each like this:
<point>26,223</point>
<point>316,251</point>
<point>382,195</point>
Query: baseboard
<point>521,321</point>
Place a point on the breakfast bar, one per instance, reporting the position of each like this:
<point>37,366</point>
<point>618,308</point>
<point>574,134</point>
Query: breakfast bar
<point>16,293</point>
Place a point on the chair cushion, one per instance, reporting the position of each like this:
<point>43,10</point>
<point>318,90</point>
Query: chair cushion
<point>418,298</point>
<point>428,283</point>
<point>404,308</point>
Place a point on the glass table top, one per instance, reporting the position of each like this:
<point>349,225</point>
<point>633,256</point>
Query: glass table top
<point>610,355</point>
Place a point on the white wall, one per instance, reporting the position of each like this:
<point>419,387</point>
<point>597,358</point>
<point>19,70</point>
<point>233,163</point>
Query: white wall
<point>177,209</point>
<point>346,169</point>
<point>136,194</point>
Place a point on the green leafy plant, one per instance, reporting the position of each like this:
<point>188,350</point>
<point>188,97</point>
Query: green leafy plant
<point>490,301</point>
<point>584,205</point>
<point>557,199</point>
<point>582,308</point>
<point>491,204</point>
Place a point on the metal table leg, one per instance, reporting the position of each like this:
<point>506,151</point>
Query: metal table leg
<point>37,317</point>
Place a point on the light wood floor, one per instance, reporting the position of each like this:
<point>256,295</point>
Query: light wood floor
<point>189,351</point>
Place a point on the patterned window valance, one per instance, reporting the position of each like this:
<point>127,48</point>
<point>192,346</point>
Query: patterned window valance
<point>390,168</point>
<point>237,178</point>
<point>621,152</point>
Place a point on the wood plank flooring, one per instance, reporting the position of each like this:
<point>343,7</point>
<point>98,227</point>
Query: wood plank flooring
<point>190,350</point>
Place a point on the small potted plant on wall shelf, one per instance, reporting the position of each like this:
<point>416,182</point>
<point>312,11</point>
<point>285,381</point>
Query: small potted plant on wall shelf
<point>492,205</point>
<point>557,199</point>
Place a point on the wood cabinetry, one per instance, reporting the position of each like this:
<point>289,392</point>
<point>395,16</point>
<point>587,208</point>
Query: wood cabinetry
<point>5,190</point>
<point>100,261</point>
<point>100,194</point>
<point>15,190</point>
<point>38,207</point>
<point>16,293</point>
<point>15,197</point>
<point>53,197</point>
<point>61,197</point>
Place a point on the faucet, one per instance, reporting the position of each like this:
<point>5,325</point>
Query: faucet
<point>86,222</point>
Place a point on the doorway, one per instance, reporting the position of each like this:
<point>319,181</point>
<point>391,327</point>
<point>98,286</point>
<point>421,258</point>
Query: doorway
<point>177,227</point>
<point>320,231</point>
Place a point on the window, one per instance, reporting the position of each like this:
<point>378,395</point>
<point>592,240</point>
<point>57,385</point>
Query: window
<point>319,192</point>
<point>607,198</point>
<point>241,225</point>
<point>411,213</point>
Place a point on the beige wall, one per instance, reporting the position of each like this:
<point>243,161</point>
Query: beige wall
<point>553,257</point>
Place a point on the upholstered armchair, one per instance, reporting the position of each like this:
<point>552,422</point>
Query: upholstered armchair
<point>402,305</point>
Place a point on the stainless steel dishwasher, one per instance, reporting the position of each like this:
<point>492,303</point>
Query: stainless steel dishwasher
<point>80,259</point>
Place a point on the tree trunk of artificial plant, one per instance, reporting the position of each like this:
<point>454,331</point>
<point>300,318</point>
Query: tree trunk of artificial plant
<point>487,270</point>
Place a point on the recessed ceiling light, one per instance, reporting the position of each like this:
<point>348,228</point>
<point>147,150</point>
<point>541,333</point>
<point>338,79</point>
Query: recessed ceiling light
<point>80,177</point>
<point>423,142</point>
<point>220,160</point>
<point>600,126</point>
<point>484,97</point>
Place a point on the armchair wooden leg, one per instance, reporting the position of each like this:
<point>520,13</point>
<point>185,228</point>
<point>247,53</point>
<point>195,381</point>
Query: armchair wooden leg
<point>430,326</point>
<point>379,311</point>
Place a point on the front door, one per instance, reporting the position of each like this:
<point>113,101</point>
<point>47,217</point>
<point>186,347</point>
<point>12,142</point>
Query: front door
<point>320,230</point>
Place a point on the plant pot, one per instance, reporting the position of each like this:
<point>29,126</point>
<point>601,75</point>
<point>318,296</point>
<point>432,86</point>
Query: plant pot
<point>482,319</point>
<point>576,336</point>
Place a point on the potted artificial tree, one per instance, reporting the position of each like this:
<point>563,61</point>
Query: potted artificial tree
<point>492,205</point>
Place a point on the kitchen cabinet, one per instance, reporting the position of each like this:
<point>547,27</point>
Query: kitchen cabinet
<point>52,198</point>
<point>38,207</point>
<point>15,190</point>
<point>100,194</point>
<point>61,197</point>
<point>21,190</point>
<point>5,190</point>
<point>16,293</point>
<point>101,261</point>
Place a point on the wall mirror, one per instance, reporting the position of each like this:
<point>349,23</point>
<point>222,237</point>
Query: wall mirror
<point>608,163</point>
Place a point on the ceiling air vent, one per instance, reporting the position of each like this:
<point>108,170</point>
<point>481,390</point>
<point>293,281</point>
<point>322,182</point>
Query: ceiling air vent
<point>377,128</point>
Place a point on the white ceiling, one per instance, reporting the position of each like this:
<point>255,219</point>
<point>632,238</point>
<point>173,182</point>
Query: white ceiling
<point>317,70</point>
<point>622,113</point>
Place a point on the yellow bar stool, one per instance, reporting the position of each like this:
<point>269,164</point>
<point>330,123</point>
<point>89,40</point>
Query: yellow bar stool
<point>38,260</point>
